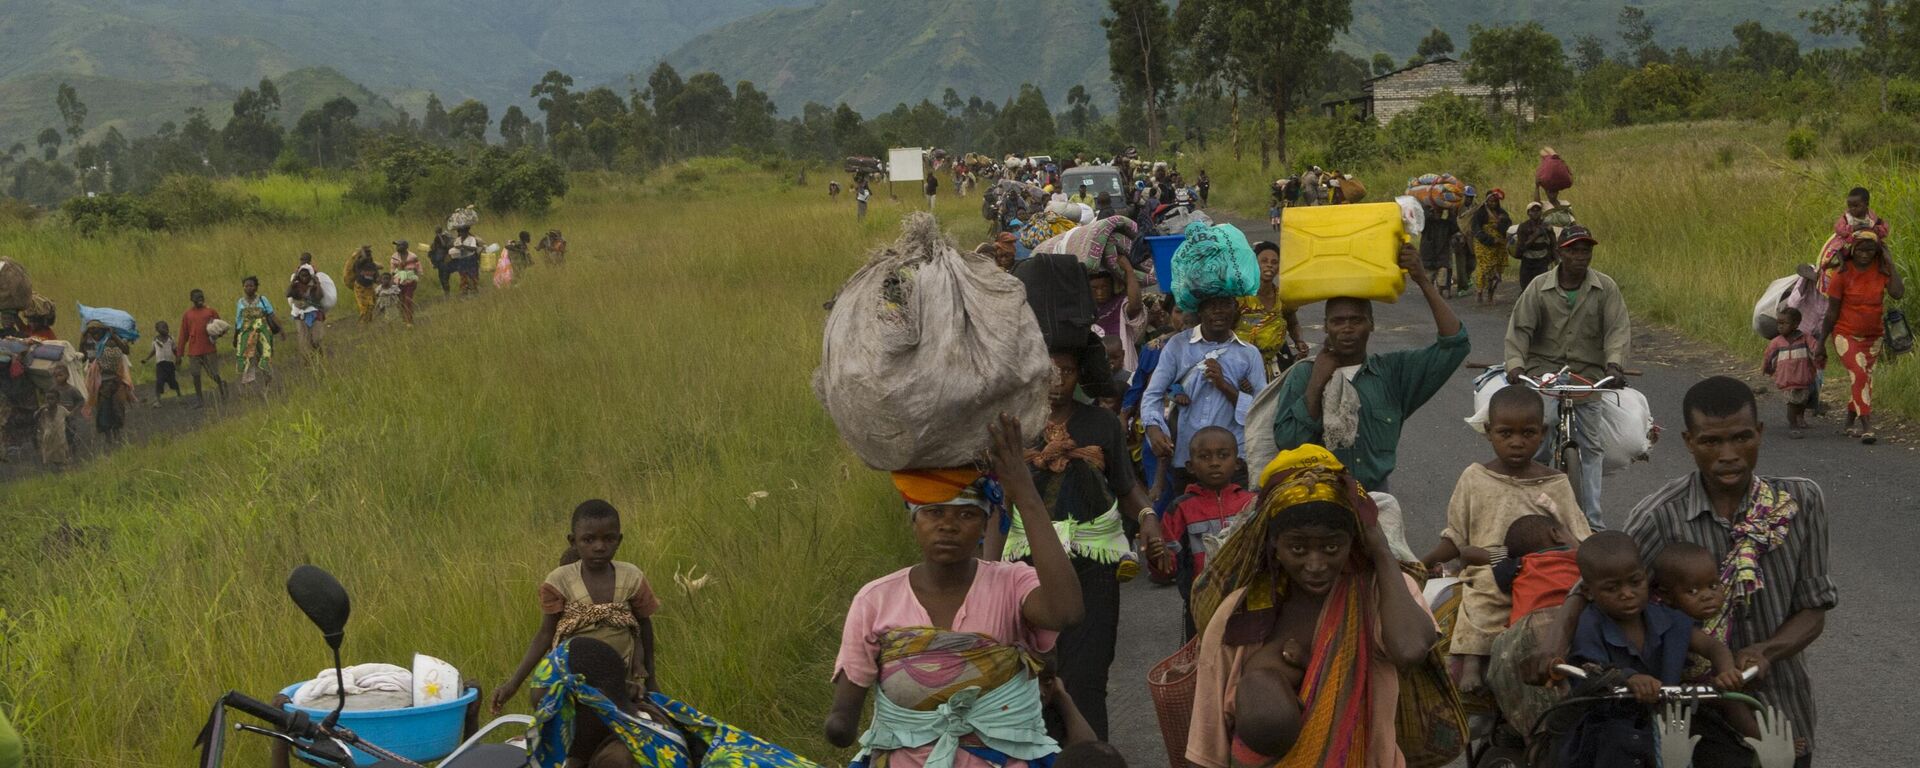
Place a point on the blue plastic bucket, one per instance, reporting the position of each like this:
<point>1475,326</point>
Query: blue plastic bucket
<point>1163,247</point>
<point>419,734</point>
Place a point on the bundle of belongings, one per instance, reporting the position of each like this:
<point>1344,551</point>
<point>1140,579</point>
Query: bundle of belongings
<point>923,347</point>
<point>16,288</point>
<point>464,218</point>
<point>1214,261</point>
<point>1438,190</point>
<point>382,686</point>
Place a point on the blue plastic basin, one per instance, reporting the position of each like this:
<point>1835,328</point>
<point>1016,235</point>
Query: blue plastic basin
<point>419,734</point>
<point>1163,247</point>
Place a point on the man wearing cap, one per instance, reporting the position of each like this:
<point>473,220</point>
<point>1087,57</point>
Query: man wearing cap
<point>405,265</point>
<point>1534,244</point>
<point>1573,317</point>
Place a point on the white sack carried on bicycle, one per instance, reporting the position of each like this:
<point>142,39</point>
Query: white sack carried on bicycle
<point>1766,310</point>
<point>924,346</point>
<point>1622,423</point>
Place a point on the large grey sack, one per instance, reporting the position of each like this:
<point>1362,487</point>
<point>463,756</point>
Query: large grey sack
<point>924,346</point>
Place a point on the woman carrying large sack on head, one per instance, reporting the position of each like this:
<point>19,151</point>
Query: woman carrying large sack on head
<point>1310,626</point>
<point>950,642</point>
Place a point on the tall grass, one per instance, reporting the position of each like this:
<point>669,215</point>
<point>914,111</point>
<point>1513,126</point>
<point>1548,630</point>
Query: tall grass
<point>1694,219</point>
<point>665,368</point>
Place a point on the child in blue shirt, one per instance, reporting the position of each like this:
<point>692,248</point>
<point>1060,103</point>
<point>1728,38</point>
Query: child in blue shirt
<point>1647,641</point>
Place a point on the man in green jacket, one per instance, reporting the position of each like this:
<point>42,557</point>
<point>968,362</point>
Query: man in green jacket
<point>1355,403</point>
<point>1573,317</point>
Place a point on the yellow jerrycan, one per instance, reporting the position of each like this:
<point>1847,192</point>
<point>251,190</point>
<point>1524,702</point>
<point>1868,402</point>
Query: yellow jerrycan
<point>1327,251</point>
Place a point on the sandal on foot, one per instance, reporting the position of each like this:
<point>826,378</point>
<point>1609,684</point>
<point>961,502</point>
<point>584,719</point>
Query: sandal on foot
<point>1868,438</point>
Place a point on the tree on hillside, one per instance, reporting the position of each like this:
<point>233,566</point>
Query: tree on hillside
<point>1870,22</point>
<point>1757,49</point>
<point>513,127</point>
<point>952,102</point>
<point>434,123</point>
<point>555,99</point>
<point>252,137</point>
<point>1524,62</point>
<point>198,135</point>
<point>753,120</point>
<point>1636,30</point>
<point>1274,48</point>
<point>1382,64</point>
<point>49,141</point>
<point>701,113</point>
<point>326,134</point>
<point>73,112</point>
<point>1588,53</point>
<point>1203,30</point>
<point>1436,43</point>
<point>1138,52</point>
<point>468,122</point>
<point>1078,114</point>
<point>663,87</point>
<point>1025,124</point>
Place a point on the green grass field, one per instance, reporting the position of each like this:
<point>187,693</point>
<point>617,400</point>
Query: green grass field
<point>666,368</point>
<point>1694,220</point>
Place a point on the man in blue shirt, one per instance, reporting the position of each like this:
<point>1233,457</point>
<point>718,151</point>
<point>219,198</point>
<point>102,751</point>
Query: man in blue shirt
<point>1209,376</point>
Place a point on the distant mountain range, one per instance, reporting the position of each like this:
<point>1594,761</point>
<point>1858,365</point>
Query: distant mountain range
<point>128,58</point>
<point>137,63</point>
<point>874,54</point>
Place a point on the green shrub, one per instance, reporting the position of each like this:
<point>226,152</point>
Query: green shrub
<point>1354,144</point>
<point>185,202</point>
<point>1903,96</point>
<point>1801,142</point>
<point>1887,136</point>
<point>1656,92</point>
<point>101,213</point>
<point>1441,122</point>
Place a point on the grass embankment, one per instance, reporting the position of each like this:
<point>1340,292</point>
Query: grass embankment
<point>1694,220</point>
<point>666,368</point>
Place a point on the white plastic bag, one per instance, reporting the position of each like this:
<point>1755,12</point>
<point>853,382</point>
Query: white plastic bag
<point>1623,426</point>
<point>328,295</point>
<point>1765,311</point>
<point>1484,386</point>
<point>434,681</point>
<point>924,347</point>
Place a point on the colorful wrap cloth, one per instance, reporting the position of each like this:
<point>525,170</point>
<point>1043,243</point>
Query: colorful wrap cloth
<point>1102,539</point>
<point>1105,244</point>
<point>955,691</point>
<point>653,745</point>
<point>942,487</point>
<point>1765,527</point>
<point>1336,712</point>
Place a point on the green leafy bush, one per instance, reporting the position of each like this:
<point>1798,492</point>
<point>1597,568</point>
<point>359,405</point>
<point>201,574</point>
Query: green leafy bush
<point>1440,122</point>
<point>186,202</point>
<point>101,213</point>
<point>1656,92</point>
<point>1888,136</point>
<point>1801,142</point>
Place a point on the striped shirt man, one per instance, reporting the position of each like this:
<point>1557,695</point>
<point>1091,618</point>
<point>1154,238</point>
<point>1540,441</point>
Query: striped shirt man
<point>1795,574</point>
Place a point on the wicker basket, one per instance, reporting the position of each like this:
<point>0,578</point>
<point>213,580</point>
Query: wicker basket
<point>1171,684</point>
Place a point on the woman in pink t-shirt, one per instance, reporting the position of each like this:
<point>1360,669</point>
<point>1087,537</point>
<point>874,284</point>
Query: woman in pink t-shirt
<point>955,636</point>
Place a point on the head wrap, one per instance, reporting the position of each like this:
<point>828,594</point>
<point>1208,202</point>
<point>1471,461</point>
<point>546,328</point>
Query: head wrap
<point>949,486</point>
<point>1497,194</point>
<point>1305,474</point>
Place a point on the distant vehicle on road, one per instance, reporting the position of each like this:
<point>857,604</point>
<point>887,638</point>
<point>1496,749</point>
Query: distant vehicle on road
<point>1105,178</point>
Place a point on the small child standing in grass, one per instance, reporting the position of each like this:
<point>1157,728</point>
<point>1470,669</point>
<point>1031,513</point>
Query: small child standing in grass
<point>165,356</point>
<point>1790,360</point>
<point>596,596</point>
<point>1213,458</point>
<point>1487,500</point>
<point>386,298</point>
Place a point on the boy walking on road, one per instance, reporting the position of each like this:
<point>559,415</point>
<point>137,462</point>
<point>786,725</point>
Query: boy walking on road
<point>199,344</point>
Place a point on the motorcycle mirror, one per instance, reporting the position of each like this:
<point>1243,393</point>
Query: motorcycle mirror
<point>321,597</point>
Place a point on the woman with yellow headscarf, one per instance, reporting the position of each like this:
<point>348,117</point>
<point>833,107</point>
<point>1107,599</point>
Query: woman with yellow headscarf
<point>1309,621</point>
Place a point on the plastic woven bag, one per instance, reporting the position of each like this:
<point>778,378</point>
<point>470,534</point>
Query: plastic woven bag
<point>1438,190</point>
<point>118,321</point>
<point>923,347</point>
<point>1214,261</point>
<point>1107,243</point>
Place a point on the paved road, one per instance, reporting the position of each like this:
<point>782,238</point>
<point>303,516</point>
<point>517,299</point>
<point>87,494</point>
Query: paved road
<point>1861,665</point>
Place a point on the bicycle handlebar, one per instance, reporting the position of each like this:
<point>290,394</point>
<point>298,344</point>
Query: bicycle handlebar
<point>1692,691</point>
